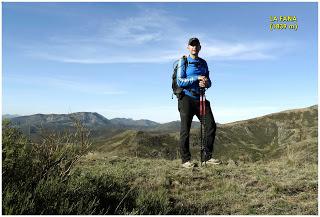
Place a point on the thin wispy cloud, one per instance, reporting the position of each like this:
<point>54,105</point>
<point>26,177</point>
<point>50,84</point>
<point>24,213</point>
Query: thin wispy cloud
<point>67,84</point>
<point>222,50</point>
<point>151,36</point>
<point>150,26</point>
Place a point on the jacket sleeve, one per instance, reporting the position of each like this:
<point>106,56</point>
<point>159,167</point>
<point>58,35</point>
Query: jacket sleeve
<point>182,79</point>
<point>207,75</point>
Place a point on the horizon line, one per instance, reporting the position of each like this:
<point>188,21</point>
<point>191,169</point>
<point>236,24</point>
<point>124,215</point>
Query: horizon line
<point>156,121</point>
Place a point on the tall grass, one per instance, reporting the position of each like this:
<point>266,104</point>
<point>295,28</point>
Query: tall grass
<point>61,175</point>
<point>42,178</point>
<point>275,187</point>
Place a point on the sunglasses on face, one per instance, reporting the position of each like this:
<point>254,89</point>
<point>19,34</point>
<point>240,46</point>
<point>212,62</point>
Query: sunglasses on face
<point>194,44</point>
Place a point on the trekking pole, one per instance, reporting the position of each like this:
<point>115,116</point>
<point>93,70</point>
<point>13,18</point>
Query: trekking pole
<point>202,125</point>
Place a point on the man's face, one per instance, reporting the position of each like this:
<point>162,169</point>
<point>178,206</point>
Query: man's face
<point>194,48</point>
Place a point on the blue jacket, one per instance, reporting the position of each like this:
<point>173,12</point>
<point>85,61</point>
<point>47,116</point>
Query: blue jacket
<point>187,78</point>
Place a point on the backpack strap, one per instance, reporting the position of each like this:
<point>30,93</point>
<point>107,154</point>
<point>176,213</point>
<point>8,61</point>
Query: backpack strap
<point>186,65</point>
<point>184,57</point>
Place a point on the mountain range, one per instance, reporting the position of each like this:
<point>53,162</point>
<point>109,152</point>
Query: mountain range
<point>8,116</point>
<point>98,124</point>
<point>292,132</point>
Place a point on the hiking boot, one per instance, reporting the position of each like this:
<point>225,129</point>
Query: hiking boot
<point>188,165</point>
<point>213,161</point>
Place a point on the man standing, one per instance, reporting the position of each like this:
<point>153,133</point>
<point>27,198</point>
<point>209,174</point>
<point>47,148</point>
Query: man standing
<point>192,77</point>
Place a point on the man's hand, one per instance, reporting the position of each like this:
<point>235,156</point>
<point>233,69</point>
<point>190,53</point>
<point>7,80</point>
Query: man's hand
<point>202,78</point>
<point>203,84</point>
<point>203,81</point>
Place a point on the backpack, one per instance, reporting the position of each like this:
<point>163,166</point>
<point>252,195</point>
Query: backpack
<point>178,91</point>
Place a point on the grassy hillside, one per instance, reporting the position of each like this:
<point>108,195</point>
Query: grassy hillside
<point>270,136</point>
<point>163,187</point>
<point>293,132</point>
<point>269,167</point>
<point>139,144</point>
<point>174,126</point>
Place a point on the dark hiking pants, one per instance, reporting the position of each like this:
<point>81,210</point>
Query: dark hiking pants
<point>188,107</point>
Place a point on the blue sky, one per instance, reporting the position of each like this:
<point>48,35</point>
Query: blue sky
<point>116,58</point>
